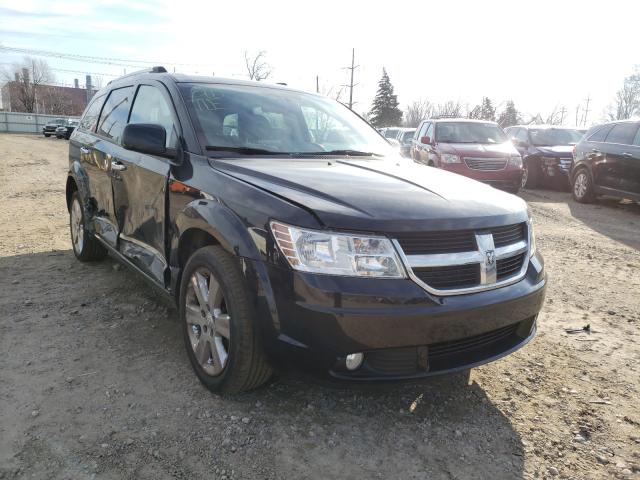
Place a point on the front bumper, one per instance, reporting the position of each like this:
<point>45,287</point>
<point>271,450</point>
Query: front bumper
<point>404,332</point>
<point>508,177</point>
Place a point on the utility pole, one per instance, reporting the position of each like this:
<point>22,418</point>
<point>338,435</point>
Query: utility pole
<point>562,112</point>
<point>351,84</point>
<point>586,111</point>
<point>577,115</point>
<point>317,84</point>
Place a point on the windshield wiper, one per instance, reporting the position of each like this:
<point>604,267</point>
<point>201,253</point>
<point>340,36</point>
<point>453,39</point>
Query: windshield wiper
<point>352,153</point>
<point>243,150</point>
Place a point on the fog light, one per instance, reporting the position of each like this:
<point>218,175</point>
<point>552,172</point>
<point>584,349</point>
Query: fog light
<point>354,360</point>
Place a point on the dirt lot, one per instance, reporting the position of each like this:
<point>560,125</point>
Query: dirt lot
<point>95,383</point>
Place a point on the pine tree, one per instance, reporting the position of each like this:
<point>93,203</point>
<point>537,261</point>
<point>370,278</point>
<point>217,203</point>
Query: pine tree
<point>488,111</point>
<point>385,111</point>
<point>509,116</point>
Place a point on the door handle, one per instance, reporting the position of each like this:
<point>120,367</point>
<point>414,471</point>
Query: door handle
<point>595,150</point>
<point>84,150</point>
<point>118,166</point>
<point>627,154</point>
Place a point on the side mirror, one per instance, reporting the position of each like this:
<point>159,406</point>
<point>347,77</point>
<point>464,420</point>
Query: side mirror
<point>426,140</point>
<point>145,138</point>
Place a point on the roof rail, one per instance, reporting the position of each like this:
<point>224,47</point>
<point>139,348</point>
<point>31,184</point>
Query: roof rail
<point>156,69</point>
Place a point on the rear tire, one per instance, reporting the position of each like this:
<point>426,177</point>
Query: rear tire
<point>86,247</point>
<point>47,135</point>
<point>221,335</point>
<point>582,187</point>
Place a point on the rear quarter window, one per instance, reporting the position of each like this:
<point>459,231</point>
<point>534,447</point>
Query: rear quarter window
<point>623,133</point>
<point>92,112</point>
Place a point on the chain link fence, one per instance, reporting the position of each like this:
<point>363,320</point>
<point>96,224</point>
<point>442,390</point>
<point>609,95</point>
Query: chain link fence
<point>13,122</point>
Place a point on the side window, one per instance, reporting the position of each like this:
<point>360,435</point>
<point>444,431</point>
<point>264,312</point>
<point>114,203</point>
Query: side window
<point>423,130</point>
<point>429,132</point>
<point>600,134</point>
<point>623,133</point>
<point>151,107</point>
<point>90,118</point>
<point>522,135</point>
<point>115,113</point>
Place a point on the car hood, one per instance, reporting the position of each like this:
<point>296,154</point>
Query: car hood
<point>556,150</point>
<point>478,150</point>
<point>379,195</point>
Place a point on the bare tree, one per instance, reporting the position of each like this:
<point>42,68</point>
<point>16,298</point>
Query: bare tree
<point>257,67</point>
<point>555,117</point>
<point>627,102</point>
<point>26,77</point>
<point>54,102</point>
<point>448,109</point>
<point>417,111</point>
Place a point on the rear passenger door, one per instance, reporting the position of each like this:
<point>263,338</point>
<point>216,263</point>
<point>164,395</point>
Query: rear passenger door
<point>87,148</point>
<point>631,166</point>
<point>619,163</point>
<point>139,189</point>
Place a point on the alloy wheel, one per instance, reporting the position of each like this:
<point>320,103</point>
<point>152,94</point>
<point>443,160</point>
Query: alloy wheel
<point>525,176</point>
<point>208,323</point>
<point>77,227</point>
<point>580,185</point>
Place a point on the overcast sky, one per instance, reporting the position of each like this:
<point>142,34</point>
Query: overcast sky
<point>541,54</point>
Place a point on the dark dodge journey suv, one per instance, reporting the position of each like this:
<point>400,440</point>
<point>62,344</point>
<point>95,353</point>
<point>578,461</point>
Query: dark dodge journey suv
<point>289,232</point>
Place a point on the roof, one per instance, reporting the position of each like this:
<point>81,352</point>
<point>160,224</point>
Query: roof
<point>544,126</point>
<point>460,119</point>
<point>159,73</point>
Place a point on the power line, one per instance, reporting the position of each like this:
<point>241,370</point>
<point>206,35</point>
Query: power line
<point>72,71</point>
<point>90,59</point>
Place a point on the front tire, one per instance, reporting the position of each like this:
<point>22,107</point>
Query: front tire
<point>219,324</point>
<point>86,247</point>
<point>582,187</point>
<point>530,174</point>
<point>47,135</point>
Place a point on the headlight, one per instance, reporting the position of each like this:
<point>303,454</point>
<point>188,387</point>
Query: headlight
<point>515,161</point>
<point>447,158</point>
<point>532,238</point>
<point>336,253</point>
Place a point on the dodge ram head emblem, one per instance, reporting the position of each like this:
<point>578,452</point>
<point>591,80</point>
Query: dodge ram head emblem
<point>491,257</point>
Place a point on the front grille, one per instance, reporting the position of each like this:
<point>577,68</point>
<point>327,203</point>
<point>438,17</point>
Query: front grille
<point>453,347</point>
<point>456,260</point>
<point>455,276</point>
<point>565,164</point>
<point>487,164</point>
<point>424,243</point>
<point>507,267</point>
<point>510,234</point>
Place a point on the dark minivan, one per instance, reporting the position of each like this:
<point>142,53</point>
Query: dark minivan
<point>290,233</point>
<point>607,162</point>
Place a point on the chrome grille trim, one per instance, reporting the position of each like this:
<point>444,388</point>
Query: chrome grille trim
<point>486,164</point>
<point>488,270</point>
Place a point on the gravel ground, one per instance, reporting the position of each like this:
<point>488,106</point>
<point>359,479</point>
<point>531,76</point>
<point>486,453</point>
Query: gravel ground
<point>95,383</point>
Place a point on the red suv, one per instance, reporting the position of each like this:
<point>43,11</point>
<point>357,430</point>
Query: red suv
<point>475,148</point>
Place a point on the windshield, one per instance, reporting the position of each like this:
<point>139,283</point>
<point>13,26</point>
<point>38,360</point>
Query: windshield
<point>469,132</point>
<point>554,136</point>
<point>407,136</point>
<point>391,133</point>
<point>250,120</point>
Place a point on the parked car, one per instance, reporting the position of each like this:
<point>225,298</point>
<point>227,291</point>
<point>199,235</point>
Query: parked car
<point>283,243</point>
<point>390,132</point>
<point>607,162</point>
<point>547,152</point>
<point>474,148</point>
<point>405,136</point>
<point>51,126</point>
<point>65,131</point>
